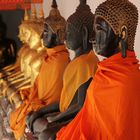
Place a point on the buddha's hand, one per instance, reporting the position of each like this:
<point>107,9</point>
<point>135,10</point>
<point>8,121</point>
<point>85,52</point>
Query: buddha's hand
<point>30,119</point>
<point>51,119</point>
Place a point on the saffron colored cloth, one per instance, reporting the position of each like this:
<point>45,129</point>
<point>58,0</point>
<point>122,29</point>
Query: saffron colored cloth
<point>79,71</point>
<point>46,90</point>
<point>112,107</point>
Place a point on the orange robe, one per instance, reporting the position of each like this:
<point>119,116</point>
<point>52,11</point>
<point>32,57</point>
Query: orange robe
<point>46,90</point>
<point>112,107</point>
<point>79,71</point>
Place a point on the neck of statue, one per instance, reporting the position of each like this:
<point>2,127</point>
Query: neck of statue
<point>81,51</point>
<point>39,49</point>
<point>36,46</point>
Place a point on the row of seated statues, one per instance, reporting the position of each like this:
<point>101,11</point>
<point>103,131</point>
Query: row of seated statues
<point>45,95</point>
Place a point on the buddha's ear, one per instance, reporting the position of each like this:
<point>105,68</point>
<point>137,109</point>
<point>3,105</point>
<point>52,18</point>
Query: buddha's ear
<point>85,37</point>
<point>60,36</point>
<point>124,33</point>
<point>123,40</point>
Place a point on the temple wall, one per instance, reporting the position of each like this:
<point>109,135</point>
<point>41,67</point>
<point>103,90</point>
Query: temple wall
<point>67,7</point>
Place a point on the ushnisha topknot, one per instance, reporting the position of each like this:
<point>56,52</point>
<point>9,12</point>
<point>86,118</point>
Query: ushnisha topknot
<point>118,14</point>
<point>33,13</point>
<point>26,16</point>
<point>41,12</point>
<point>82,17</point>
<point>56,22</point>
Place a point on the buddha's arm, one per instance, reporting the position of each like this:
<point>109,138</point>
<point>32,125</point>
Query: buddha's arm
<point>74,107</point>
<point>26,86</point>
<point>9,72</point>
<point>16,76</point>
<point>13,68</point>
<point>30,119</point>
<point>17,80</point>
<point>25,82</point>
<point>7,84</point>
<point>8,67</point>
<point>13,74</point>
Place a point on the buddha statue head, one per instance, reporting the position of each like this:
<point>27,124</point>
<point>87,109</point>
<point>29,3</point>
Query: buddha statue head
<point>79,29</point>
<point>115,27</point>
<point>36,28</point>
<point>20,35</point>
<point>24,32</point>
<point>54,28</point>
<point>35,39</point>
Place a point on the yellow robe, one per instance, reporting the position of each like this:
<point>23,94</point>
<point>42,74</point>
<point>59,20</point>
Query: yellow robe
<point>46,90</point>
<point>79,71</point>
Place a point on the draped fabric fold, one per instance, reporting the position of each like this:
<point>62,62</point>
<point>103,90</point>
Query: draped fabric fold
<point>112,107</point>
<point>46,90</point>
<point>79,71</point>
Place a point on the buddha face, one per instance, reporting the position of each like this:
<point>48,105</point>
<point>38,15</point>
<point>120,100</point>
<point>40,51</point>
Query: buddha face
<point>34,40</point>
<point>21,33</point>
<point>49,37</point>
<point>73,37</point>
<point>26,34</point>
<point>106,40</point>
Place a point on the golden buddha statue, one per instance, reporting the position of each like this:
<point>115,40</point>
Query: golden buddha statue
<point>24,35</point>
<point>32,60</point>
<point>37,61</point>
<point>36,48</point>
<point>18,76</point>
<point>13,70</point>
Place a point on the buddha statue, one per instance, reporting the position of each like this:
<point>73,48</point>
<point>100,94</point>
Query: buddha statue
<point>36,48</point>
<point>24,34</point>
<point>111,109</point>
<point>77,76</point>
<point>34,66</point>
<point>34,57</point>
<point>10,71</point>
<point>25,37</point>
<point>19,78</point>
<point>49,81</point>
